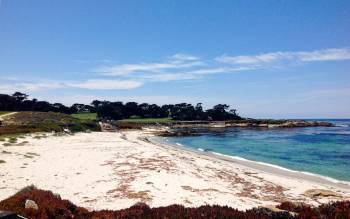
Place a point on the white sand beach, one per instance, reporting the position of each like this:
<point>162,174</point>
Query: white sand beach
<point>115,170</point>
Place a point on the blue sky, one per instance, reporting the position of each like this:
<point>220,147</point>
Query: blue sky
<point>268,59</point>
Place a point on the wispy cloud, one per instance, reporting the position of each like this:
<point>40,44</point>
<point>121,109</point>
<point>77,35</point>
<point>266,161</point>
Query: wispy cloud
<point>179,67</point>
<point>183,66</point>
<point>333,54</point>
<point>177,61</point>
<point>325,55</point>
<point>184,57</point>
<point>93,84</point>
<point>97,84</point>
<point>29,87</point>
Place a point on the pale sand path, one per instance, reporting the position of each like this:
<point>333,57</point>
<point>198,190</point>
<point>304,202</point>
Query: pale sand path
<point>102,170</point>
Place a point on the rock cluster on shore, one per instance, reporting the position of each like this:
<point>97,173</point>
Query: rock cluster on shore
<point>244,123</point>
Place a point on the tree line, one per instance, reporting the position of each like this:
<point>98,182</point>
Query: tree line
<point>118,110</point>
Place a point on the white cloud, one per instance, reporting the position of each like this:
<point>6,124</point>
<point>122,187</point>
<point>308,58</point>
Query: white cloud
<point>169,77</point>
<point>96,84</point>
<point>29,87</point>
<point>177,61</point>
<point>219,70</point>
<point>183,66</point>
<point>325,55</point>
<point>178,67</point>
<point>333,54</point>
<point>184,57</point>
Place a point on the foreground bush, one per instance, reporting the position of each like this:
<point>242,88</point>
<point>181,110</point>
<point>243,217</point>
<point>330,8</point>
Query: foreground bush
<point>339,210</point>
<point>52,206</point>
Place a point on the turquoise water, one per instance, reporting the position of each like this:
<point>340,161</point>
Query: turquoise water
<point>320,150</point>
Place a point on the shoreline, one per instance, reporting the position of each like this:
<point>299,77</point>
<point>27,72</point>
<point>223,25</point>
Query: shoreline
<point>258,165</point>
<point>115,170</point>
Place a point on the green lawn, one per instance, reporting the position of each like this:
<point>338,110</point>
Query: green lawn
<point>147,120</point>
<point>3,112</point>
<point>85,116</point>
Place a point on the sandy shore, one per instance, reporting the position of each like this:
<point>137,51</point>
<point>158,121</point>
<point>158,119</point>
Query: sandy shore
<point>105,170</point>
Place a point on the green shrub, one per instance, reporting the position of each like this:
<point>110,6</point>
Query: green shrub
<point>84,116</point>
<point>12,140</point>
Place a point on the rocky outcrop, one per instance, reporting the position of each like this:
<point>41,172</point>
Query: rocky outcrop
<point>30,204</point>
<point>244,123</point>
<point>317,193</point>
<point>293,124</point>
<point>176,133</point>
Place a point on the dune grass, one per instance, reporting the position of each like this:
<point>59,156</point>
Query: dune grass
<point>12,140</point>
<point>85,116</point>
<point>29,122</point>
<point>4,112</point>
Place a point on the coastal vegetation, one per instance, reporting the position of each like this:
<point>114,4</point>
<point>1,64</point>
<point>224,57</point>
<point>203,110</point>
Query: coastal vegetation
<point>79,117</point>
<point>4,112</point>
<point>27,122</point>
<point>107,110</point>
<point>85,116</point>
<point>147,120</point>
<point>45,204</point>
<point>20,102</point>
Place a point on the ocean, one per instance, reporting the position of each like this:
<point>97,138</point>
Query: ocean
<point>323,151</point>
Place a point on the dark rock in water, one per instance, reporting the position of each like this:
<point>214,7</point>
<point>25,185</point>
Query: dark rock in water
<point>327,124</point>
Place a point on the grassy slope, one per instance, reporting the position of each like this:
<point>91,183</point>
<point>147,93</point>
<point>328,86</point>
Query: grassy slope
<point>25,122</point>
<point>147,120</point>
<point>3,112</point>
<point>85,116</point>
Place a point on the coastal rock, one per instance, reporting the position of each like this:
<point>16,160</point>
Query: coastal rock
<point>30,204</point>
<point>301,123</point>
<point>177,133</point>
<point>320,193</point>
